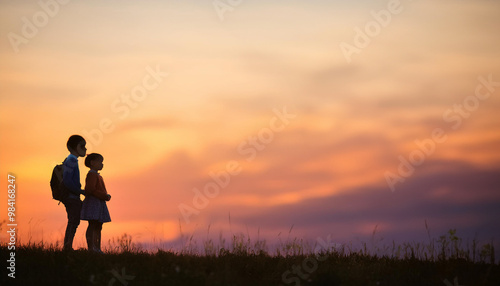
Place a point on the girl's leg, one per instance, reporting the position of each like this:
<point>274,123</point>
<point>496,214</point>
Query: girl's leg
<point>89,235</point>
<point>97,235</point>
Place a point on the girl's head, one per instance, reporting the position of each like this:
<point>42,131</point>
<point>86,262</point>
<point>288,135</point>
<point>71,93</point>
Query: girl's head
<point>94,161</point>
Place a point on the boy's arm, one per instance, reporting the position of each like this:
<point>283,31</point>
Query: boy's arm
<point>68,173</point>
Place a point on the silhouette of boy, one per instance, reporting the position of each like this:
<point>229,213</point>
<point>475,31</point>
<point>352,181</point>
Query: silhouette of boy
<point>71,180</point>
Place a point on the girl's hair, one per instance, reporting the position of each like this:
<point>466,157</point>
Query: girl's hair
<point>91,157</point>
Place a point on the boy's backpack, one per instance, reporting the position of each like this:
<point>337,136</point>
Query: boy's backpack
<point>59,190</point>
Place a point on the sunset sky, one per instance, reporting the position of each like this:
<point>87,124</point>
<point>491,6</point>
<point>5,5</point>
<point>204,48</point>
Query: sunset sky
<point>333,117</point>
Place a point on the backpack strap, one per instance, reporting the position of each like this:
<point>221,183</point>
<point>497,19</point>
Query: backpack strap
<point>63,173</point>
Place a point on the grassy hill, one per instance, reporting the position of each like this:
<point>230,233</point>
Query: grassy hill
<point>245,264</point>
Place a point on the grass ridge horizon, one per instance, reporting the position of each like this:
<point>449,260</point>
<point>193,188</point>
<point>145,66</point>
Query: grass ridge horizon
<point>245,262</point>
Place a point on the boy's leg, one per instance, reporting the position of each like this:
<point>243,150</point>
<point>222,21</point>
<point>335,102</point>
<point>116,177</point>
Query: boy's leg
<point>73,209</point>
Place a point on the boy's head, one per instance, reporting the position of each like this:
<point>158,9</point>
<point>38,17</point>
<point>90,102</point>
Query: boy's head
<point>94,161</point>
<point>76,145</point>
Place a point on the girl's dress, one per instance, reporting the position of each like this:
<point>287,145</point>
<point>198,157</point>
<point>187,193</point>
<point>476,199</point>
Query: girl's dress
<point>94,205</point>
